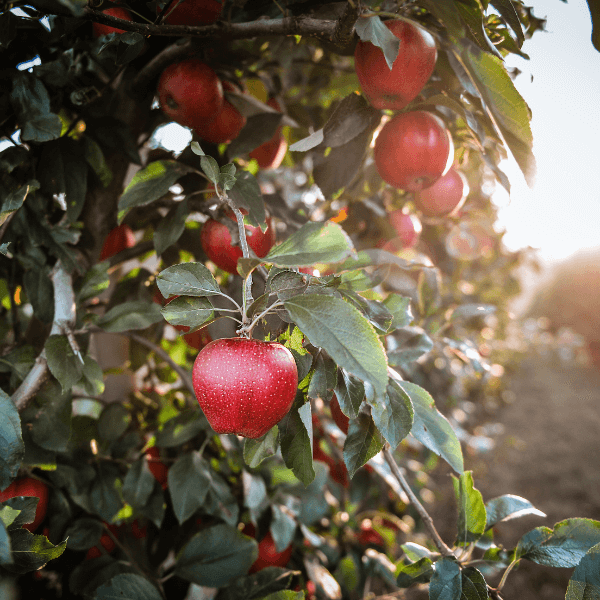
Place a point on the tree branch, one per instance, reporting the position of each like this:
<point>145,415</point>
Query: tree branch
<point>427,520</point>
<point>344,29</point>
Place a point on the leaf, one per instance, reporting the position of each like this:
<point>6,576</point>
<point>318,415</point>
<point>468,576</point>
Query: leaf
<point>246,194</point>
<point>295,441</point>
<point>312,243</point>
<point>12,448</point>
<point>84,533</point>
<point>13,202</point>
<point>471,509</point>
<point>431,428</point>
<point>324,379</point>
<point>190,311</point>
<point>286,595</point>
<point>507,507</point>
<point>187,279</point>
<point>258,129</point>
<point>465,312</point>
<point>446,12</point>
<point>415,552</point>
<point>182,428</point>
<point>216,556</point>
<point>585,581</point>
<point>104,493</point>
<point>188,485</point>
<point>31,552</point>
<point>418,572</point>
<point>138,484</point>
<point>474,586</point>
<point>130,44</point>
<point>399,307</point>
<point>564,546</point>
<point>312,141</point>
<point>256,450</point>
<point>266,581</point>
<point>5,546</point>
<point>372,29</point>
<point>93,377</point>
<point>25,507</point>
<point>338,328</point>
<point>62,361</point>
<point>255,492</point>
<point>210,167</point>
<point>446,583</point>
<point>283,527</point>
<point>40,293</point>
<point>95,281</point>
<point>392,414</point>
<point>170,228</point>
<point>130,315</point>
<point>508,12</point>
<point>149,184</point>
<point>473,19</point>
<point>350,393</point>
<point>352,116</point>
<point>113,423</point>
<point>127,586</point>
<point>95,159</point>
<point>411,344</point>
<point>362,443</point>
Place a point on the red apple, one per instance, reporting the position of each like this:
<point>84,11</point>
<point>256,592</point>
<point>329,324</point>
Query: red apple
<point>195,12</point>
<point>408,227</point>
<point>395,88</point>
<point>270,154</point>
<point>367,536</point>
<point>244,386</point>
<point>31,488</point>
<point>215,240</point>
<point>157,467</point>
<point>267,552</point>
<point>106,545</point>
<point>445,197</point>
<point>413,150</point>
<point>190,93</point>
<point>340,419</point>
<point>118,239</point>
<point>118,12</point>
<point>225,127</point>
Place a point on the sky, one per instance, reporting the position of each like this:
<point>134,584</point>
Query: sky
<point>561,213</point>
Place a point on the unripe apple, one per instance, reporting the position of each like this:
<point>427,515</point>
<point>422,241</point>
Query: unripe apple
<point>195,12</point>
<point>395,88</point>
<point>157,467</point>
<point>339,418</point>
<point>190,93</point>
<point>267,552</point>
<point>118,12</point>
<point>31,488</point>
<point>270,154</point>
<point>215,240</point>
<point>413,150</point>
<point>445,196</point>
<point>118,239</point>
<point>244,386</point>
<point>106,543</point>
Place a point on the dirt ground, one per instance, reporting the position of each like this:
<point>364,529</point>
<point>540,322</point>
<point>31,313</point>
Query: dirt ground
<point>549,454</point>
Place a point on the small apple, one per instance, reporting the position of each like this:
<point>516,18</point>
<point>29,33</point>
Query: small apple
<point>106,545</point>
<point>195,12</point>
<point>31,488</point>
<point>267,552</point>
<point>340,419</point>
<point>445,197</point>
<point>407,226</point>
<point>413,150</point>
<point>270,154</point>
<point>367,536</point>
<point>118,239</point>
<point>244,386</point>
<point>394,89</point>
<point>190,93</point>
<point>157,467</point>
<point>120,13</point>
<point>215,240</point>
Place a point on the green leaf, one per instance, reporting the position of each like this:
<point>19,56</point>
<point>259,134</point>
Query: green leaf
<point>113,423</point>
<point>171,227</point>
<point>187,279</point>
<point>31,552</point>
<point>104,492</point>
<point>40,292</point>
<point>182,428</point>
<point>150,183</point>
<point>266,581</point>
<point>216,556</point>
<point>474,586</point>
<point>362,443</point>
<point>285,595</point>
<point>340,329</point>
<point>246,194</point>
<point>5,546</point>
<point>351,117</point>
<point>585,581</point>
<point>465,312</point>
<point>446,583</point>
<point>95,159</point>
<point>95,281</point>
<point>130,315</point>
<point>401,311</point>
<point>431,428</point>
<point>210,167</point>
<point>324,379</point>
<point>507,507</point>
<point>283,527</point>
<point>350,393</point>
<point>508,12</point>
<point>446,12</point>
<point>415,552</point>
<point>129,46</point>
<point>412,343</point>
<point>12,202</point>
<point>258,130</point>
<point>393,414</point>
<point>84,533</point>
<point>190,311</point>
<point>188,485</point>
<point>418,572</point>
<point>295,441</point>
<point>312,243</point>
<point>62,361</point>
<point>308,143</point>
<point>12,448</point>
<point>255,451</point>
<point>196,149</point>
<point>372,29</point>
<point>127,586</point>
<point>93,377</point>
<point>564,546</point>
<point>473,19</point>
<point>8,515</point>
<point>25,507</point>
<point>471,509</point>
<point>138,484</point>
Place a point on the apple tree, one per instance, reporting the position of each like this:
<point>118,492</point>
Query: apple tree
<point>220,359</point>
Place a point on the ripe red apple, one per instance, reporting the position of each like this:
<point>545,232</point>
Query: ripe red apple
<point>215,240</point>
<point>190,93</point>
<point>224,128</point>
<point>413,150</point>
<point>118,12</point>
<point>118,239</point>
<point>395,88</point>
<point>340,419</point>
<point>445,196</point>
<point>244,386</point>
<point>270,154</point>
<point>368,536</point>
<point>267,552</point>
<point>195,12</point>
<point>31,488</point>
<point>106,545</point>
<point>157,467</point>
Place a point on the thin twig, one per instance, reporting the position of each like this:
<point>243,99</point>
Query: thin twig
<point>427,520</point>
